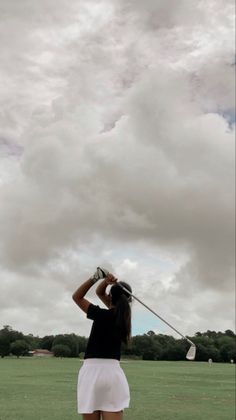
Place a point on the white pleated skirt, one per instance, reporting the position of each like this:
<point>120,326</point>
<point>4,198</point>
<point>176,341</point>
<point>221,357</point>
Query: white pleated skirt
<point>102,385</point>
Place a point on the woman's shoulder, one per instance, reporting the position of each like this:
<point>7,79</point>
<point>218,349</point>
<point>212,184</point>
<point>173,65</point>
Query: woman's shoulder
<point>96,312</point>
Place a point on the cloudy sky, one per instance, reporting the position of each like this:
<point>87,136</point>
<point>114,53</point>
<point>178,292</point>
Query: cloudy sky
<point>117,149</point>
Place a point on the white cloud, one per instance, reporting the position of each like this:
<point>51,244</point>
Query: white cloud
<point>115,152</point>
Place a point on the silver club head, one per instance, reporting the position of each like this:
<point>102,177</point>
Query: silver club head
<point>191,353</point>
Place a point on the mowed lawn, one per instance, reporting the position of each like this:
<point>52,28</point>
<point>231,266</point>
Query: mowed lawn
<point>45,389</point>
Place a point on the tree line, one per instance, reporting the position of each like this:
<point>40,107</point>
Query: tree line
<point>218,346</point>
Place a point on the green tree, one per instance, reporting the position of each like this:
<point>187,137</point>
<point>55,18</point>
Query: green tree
<point>69,340</point>
<point>214,353</point>
<point>4,345</point>
<point>19,348</point>
<point>166,344</point>
<point>141,344</point>
<point>175,352</point>
<point>151,333</point>
<point>149,355</point>
<point>33,342</point>
<point>230,333</point>
<point>81,343</point>
<point>46,342</point>
<point>5,340</point>
<point>227,348</point>
<point>61,350</point>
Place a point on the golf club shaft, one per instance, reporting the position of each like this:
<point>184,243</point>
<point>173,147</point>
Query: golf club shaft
<point>167,323</point>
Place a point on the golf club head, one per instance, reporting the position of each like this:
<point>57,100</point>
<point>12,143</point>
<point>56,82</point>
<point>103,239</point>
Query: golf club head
<point>191,353</point>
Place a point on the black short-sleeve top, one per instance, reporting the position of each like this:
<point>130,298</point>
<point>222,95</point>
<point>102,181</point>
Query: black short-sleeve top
<point>104,341</point>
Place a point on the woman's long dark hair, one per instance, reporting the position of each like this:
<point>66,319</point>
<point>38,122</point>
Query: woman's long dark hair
<point>121,300</point>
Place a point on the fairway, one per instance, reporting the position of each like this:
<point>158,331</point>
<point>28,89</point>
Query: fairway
<point>45,389</point>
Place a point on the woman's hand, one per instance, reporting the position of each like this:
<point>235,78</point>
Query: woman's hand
<point>101,289</point>
<point>110,279</point>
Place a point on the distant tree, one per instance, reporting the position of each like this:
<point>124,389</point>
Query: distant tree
<point>164,345</point>
<point>81,343</point>
<point>11,334</point>
<point>69,340</point>
<point>46,342</point>
<point>202,353</point>
<point>5,340</point>
<point>61,350</point>
<point>149,355</point>
<point>214,353</point>
<point>19,348</point>
<point>141,344</point>
<point>33,342</point>
<point>210,334</point>
<point>219,346</point>
<point>230,333</point>
<point>157,347</point>
<point>175,352</point>
<point>227,348</point>
<point>4,345</point>
<point>151,333</point>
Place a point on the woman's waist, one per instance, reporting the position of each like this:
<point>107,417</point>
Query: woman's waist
<point>101,361</point>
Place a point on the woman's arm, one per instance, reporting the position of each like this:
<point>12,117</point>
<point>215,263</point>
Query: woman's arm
<point>78,295</point>
<point>101,293</point>
<point>101,289</point>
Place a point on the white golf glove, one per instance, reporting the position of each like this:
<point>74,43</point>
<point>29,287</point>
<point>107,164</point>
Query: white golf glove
<point>99,274</point>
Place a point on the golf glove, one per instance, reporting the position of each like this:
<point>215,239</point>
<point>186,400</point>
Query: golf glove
<point>100,273</point>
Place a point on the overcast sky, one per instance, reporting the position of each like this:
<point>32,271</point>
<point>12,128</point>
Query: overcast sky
<point>117,149</point>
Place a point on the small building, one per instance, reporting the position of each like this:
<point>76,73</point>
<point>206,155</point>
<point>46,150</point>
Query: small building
<point>41,353</point>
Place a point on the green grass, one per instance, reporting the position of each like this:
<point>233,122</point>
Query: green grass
<point>45,389</point>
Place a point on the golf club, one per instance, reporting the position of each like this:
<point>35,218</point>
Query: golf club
<point>192,350</point>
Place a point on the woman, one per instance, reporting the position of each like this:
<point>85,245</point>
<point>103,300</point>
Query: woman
<point>103,390</point>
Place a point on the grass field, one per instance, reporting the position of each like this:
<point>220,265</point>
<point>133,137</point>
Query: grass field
<point>45,389</point>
